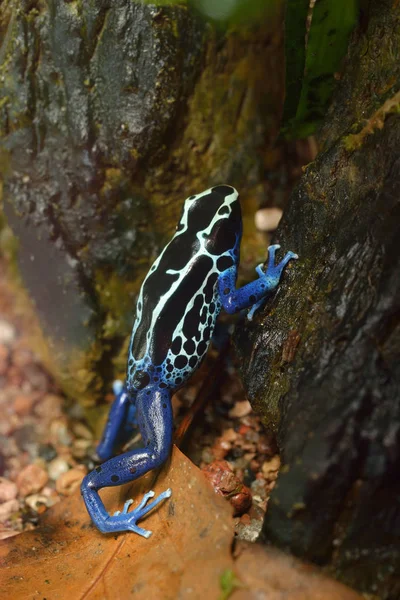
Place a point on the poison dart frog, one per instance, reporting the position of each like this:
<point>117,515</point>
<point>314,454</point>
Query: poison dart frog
<point>178,304</point>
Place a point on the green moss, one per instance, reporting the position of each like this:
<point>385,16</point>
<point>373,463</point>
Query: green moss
<point>229,582</point>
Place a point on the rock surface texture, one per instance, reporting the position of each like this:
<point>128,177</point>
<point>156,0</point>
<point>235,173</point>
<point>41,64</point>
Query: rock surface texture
<point>321,362</point>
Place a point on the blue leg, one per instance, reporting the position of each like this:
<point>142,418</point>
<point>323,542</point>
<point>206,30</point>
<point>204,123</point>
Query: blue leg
<point>120,424</point>
<point>253,294</point>
<point>155,423</point>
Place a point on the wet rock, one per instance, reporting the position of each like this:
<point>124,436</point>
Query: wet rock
<point>320,362</point>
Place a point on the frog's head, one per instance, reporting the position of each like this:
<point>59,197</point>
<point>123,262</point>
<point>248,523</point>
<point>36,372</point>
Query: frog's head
<point>203,210</point>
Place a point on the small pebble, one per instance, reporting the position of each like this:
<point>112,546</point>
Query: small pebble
<point>38,503</point>
<point>267,219</point>
<point>81,431</point>
<point>80,448</point>
<point>4,359</point>
<point>226,483</point>
<point>68,482</point>
<point>31,480</point>
<point>259,488</point>
<point>37,378</point>
<point>57,467</point>
<point>241,409</point>
<point>271,467</point>
<point>59,432</point>
<point>21,358</point>
<point>47,452</point>
<point>7,332</point>
<point>23,404</point>
<point>8,533</point>
<point>8,490</point>
<point>49,407</point>
<point>8,508</point>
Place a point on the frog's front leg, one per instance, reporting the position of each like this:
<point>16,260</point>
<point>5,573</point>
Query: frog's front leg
<point>155,423</point>
<point>253,294</point>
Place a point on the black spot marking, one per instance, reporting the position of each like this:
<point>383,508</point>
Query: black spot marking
<point>193,361</point>
<point>224,262</point>
<point>192,197</point>
<point>203,317</point>
<point>176,345</point>
<point>252,299</point>
<point>132,470</point>
<point>201,348</point>
<point>207,334</point>
<point>226,291</point>
<point>140,380</point>
<point>114,478</point>
<point>223,190</point>
<point>163,385</point>
<point>191,322</point>
<point>170,368</point>
<point>178,380</point>
<point>139,306</point>
<point>211,308</point>
<point>164,405</point>
<point>189,347</point>
<point>181,362</point>
<point>130,363</point>
<point>224,210</point>
<point>209,287</point>
<point>98,469</point>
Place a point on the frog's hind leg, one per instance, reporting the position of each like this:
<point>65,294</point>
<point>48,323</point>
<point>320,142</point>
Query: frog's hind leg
<point>155,422</point>
<point>120,424</point>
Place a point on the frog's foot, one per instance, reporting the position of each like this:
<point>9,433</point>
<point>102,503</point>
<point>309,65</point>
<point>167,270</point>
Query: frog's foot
<point>275,271</point>
<point>126,521</point>
<point>271,276</point>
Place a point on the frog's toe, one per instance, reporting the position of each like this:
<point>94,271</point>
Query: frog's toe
<point>127,521</point>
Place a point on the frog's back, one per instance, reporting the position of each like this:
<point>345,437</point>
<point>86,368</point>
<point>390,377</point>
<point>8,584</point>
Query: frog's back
<point>178,303</point>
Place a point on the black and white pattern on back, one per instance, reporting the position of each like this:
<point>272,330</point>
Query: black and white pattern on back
<point>178,302</point>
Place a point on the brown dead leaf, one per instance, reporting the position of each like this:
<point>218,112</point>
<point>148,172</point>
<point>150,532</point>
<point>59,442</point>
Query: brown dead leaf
<point>66,557</point>
<point>267,573</point>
